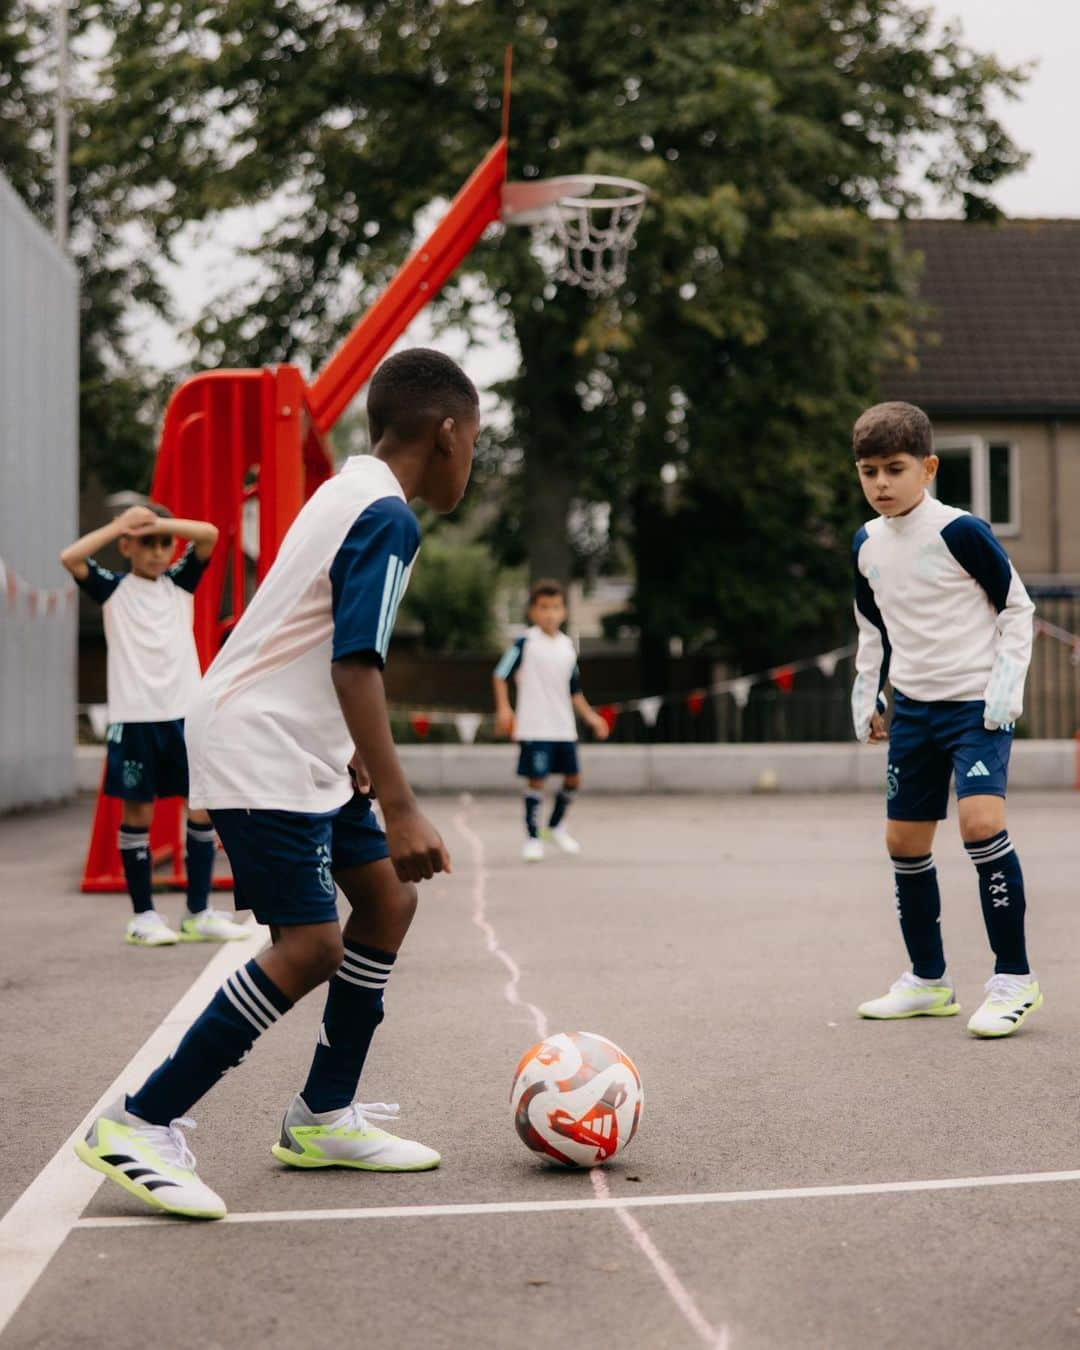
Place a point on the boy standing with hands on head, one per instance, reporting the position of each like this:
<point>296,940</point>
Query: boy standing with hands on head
<point>153,674</point>
<point>544,662</point>
<point>941,613</point>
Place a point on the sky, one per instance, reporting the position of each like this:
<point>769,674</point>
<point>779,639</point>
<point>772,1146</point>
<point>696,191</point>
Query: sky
<point>1043,121</point>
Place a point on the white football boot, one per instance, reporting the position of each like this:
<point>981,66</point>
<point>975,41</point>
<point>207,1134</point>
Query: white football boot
<point>910,996</point>
<point>1009,1001</point>
<point>149,929</point>
<point>210,925</point>
<point>533,851</point>
<point>561,837</point>
<point>152,1162</point>
<point>348,1139</point>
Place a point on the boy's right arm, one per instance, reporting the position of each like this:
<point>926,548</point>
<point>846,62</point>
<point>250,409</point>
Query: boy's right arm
<point>868,702</point>
<point>76,555</point>
<point>500,683</point>
<point>416,848</point>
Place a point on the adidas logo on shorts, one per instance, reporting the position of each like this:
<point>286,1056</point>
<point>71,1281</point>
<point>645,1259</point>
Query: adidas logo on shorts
<point>978,770</point>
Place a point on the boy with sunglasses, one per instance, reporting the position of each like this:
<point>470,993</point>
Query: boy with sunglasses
<point>153,671</point>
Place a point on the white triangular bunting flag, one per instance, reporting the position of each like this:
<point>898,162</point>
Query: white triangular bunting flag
<point>827,663</point>
<point>740,692</point>
<point>468,724</point>
<point>649,709</point>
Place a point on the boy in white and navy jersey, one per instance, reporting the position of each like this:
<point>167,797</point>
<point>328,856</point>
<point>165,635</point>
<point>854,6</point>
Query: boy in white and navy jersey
<point>153,674</point>
<point>544,664</point>
<point>943,615</point>
<point>288,740</point>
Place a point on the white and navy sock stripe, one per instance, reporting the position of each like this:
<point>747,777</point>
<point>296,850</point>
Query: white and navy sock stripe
<point>249,1000</point>
<point>911,867</point>
<point>990,850</point>
<point>361,968</point>
<point>133,837</point>
<point>202,834</point>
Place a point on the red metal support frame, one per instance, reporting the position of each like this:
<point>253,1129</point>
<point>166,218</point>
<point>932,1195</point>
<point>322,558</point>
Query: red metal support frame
<point>420,278</point>
<point>231,436</point>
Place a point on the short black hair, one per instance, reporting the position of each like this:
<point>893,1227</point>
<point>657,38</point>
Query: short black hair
<point>414,386</point>
<point>159,510</point>
<point>546,586</point>
<point>891,429</point>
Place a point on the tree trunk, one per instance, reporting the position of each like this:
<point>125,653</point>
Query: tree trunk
<point>548,421</point>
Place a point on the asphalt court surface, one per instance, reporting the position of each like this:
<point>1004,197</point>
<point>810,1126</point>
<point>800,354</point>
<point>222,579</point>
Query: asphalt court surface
<point>724,944</point>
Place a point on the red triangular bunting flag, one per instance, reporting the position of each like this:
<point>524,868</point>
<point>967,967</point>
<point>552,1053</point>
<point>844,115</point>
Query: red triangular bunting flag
<point>420,723</point>
<point>695,701</point>
<point>609,714</point>
<point>784,679</point>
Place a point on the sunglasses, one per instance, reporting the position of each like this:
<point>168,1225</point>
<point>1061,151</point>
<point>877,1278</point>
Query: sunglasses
<point>154,541</point>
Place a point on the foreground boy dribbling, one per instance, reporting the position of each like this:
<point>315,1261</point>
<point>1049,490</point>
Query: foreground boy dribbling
<point>288,734</point>
<point>943,615</point>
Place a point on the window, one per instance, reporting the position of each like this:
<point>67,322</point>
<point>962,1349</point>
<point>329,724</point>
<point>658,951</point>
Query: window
<point>983,477</point>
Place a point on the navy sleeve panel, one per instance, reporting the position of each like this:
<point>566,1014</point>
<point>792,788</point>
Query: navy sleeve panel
<point>368,577</point>
<point>972,543</point>
<point>868,606</point>
<point>99,583</point>
<point>575,681</point>
<point>188,572</point>
<point>510,660</point>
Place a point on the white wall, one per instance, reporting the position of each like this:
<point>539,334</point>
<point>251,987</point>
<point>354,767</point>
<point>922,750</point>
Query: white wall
<point>38,506</point>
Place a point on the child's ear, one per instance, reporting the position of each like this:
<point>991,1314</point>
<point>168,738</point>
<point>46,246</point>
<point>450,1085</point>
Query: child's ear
<point>124,545</point>
<point>444,435</point>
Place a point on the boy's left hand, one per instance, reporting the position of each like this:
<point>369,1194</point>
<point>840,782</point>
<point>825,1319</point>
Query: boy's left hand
<point>877,729</point>
<point>361,779</point>
<point>600,728</point>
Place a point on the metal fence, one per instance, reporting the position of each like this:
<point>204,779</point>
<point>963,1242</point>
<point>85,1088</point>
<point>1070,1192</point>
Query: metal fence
<point>38,509</point>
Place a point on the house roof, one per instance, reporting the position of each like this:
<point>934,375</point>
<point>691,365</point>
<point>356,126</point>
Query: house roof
<point>1003,332</point>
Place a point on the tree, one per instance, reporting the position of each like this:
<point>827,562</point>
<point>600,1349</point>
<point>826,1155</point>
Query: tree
<point>764,295</point>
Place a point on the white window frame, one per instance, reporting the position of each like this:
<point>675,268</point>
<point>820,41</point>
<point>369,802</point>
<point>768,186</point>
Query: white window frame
<point>979,449</point>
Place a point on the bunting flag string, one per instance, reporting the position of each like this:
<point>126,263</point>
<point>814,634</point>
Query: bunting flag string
<point>739,687</point>
<point>20,596</point>
<point>1070,640</point>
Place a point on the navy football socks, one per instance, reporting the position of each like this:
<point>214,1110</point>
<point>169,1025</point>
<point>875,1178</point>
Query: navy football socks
<point>533,799</point>
<point>245,1006</point>
<point>918,902</point>
<point>354,1008</point>
<point>1001,890</point>
<point>134,844</point>
<point>563,801</point>
<point>201,846</point>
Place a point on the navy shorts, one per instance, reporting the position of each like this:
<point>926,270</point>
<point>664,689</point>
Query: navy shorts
<point>283,861</point>
<point>536,759</point>
<point>928,743</point>
<point>146,760</point>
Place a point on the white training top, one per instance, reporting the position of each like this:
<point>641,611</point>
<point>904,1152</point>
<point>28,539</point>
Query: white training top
<point>547,676</point>
<point>941,613</point>
<point>152,664</point>
<point>266,729</point>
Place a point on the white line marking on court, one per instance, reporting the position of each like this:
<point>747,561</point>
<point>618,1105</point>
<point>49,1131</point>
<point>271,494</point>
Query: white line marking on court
<point>609,1202</point>
<point>39,1221</point>
<point>679,1294</point>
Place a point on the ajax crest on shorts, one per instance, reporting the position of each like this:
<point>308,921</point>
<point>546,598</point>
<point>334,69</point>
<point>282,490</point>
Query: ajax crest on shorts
<point>577,1099</point>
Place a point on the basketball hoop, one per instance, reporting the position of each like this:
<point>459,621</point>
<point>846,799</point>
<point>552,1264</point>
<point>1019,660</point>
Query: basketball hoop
<point>592,218</point>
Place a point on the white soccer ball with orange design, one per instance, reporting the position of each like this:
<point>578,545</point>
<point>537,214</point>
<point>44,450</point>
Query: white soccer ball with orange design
<point>577,1099</point>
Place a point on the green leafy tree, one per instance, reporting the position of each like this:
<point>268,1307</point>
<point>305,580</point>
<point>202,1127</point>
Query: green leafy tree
<point>764,297</point>
<point>452,594</point>
<point>120,398</point>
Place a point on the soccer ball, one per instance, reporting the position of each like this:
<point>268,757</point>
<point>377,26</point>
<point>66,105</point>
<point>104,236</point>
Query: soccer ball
<point>577,1098</point>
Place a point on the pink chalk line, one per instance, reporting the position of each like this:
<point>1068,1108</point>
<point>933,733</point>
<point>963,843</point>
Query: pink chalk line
<point>716,1339</point>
